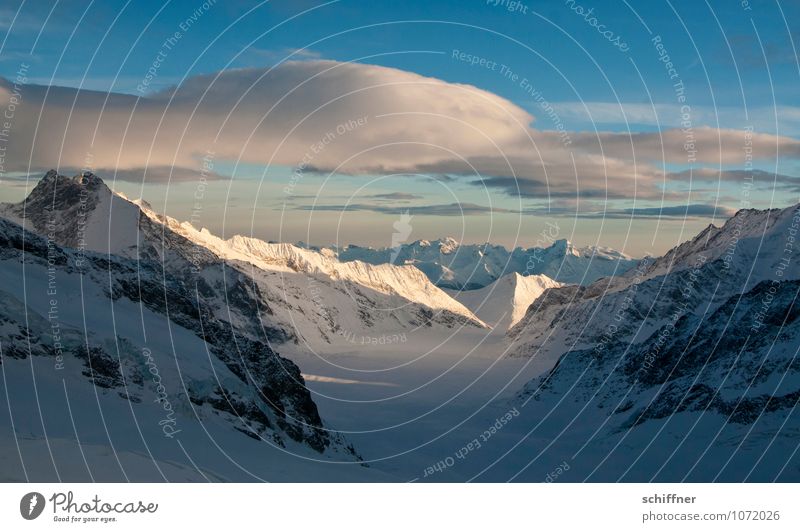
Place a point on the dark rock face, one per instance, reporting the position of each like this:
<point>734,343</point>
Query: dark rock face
<point>276,379</point>
<point>277,406</point>
<point>728,345</point>
<point>685,368</point>
<point>104,371</point>
<point>58,204</point>
<point>243,414</point>
<point>716,379</point>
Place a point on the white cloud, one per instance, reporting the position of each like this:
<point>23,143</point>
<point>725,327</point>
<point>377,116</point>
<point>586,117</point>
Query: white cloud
<point>358,119</point>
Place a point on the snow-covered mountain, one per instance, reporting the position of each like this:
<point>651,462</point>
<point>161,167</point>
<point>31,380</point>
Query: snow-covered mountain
<point>165,328</point>
<point>716,264</point>
<point>318,300</point>
<point>125,354</point>
<point>686,368</point>
<point>78,212</point>
<point>405,282</point>
<point>504,302</point>
<point>457,266</point>
<point>751,245</point>
<point>156,347</point>
<point>294,294</point>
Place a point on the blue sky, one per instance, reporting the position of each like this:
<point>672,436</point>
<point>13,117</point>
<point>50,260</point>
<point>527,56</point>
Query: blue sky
<point>699,36</point>
<point>736,60</point>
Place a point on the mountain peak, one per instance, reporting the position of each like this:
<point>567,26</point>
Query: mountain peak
<point>89,180</point>
<point>565,247</point>
<point>504,303</point>
<point>753,239</point>
<point>448,244</point>
<point>51,175</point>
<point>79,211</point>
<point>54,184</point>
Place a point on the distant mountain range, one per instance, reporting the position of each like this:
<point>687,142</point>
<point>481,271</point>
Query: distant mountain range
<point>449,264</point>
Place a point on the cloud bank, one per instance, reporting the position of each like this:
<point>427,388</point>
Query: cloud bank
<point>359,119</point>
